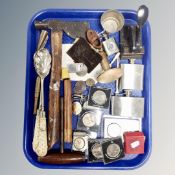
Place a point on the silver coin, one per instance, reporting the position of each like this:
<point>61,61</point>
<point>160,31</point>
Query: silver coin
<point>90,82</point>
<point>89,119</point>
<point>77,108</point>
<point>113,150</point>
<point>99,97</point>
<point>97,151</point>
<point>80,87</point>
<point>79,143</point>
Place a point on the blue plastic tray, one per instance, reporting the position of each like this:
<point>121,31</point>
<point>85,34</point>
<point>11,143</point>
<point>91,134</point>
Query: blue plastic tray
<point>91,16</point>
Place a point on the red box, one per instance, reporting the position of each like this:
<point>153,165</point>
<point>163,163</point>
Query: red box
<point>134,142</point>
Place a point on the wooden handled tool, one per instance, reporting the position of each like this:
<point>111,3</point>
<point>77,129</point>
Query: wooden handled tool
<point>63,158</point>
<point>54,89</point>
<point>67,106</point>
<point>74,30</point>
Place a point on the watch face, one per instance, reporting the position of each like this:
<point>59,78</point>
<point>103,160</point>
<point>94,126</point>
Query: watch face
<point>113,130</point>
<point>99,97</point>
<point>89,119</point>
<point>113,150</point>
<point>97,151</point>
<point>79,143</point>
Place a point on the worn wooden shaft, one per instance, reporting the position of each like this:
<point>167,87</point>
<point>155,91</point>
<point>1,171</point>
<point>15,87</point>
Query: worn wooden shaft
<point>54,89</point>
<point>37,92</point>
<point>67,111</point>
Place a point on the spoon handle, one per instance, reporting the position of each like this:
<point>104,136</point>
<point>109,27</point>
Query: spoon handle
<point>42,95</point>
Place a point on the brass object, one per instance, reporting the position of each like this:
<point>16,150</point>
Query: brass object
<point>90,82</point>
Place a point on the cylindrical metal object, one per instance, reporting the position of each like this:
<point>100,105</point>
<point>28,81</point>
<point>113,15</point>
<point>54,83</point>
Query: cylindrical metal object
<point>65,158</point>
<point>67,111</point>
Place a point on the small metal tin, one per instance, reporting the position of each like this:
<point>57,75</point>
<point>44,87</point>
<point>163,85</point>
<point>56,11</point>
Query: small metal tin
<point>80,87</point>
<point>112,149</point>
<point>99,97</point>
<point>94,150</point>
<point>132,78</point>
<point>110,46</point>
<point>112,21</point>
<point>80,141</point>
<point>128,107</point>
<point>77,108</point>
<point>115,126</point>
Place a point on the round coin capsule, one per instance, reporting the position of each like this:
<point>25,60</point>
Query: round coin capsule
<point>99,97</point>
<point>113,130</point>
<point>113,150</point>
<point>89,119</point>
<point>79,143</point>
<point>97,151</point>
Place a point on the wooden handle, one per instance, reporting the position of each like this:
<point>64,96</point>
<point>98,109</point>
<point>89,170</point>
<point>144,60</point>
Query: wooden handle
<point>54,89</point>
<point>37,92</point>
<point>65,158</point>
<point>67,111</point>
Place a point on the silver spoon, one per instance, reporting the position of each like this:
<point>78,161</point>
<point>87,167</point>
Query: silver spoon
<point>42,63</point>
<point>142,16</point>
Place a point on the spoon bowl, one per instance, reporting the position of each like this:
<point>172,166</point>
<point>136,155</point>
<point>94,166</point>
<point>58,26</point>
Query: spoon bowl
<point>142,15</point>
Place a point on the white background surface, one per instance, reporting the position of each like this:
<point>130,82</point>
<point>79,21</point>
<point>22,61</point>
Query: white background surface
<point>14,17</point>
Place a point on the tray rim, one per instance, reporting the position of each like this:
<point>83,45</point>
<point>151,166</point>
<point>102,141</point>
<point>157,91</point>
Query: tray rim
<point>56,166</point>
